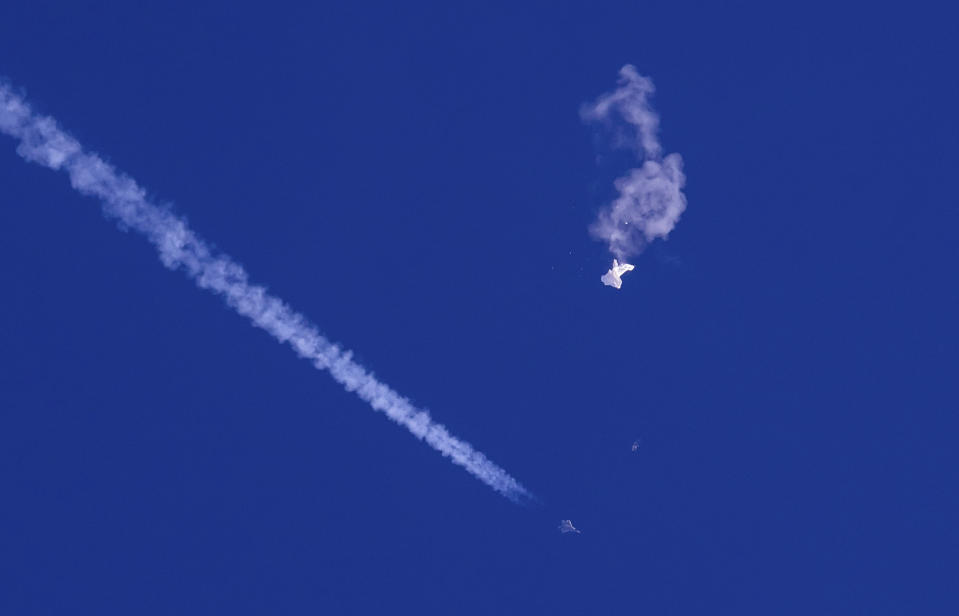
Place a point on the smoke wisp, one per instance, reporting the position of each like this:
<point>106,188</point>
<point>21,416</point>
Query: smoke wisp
<point>41,141</point>
<point>650,197</point>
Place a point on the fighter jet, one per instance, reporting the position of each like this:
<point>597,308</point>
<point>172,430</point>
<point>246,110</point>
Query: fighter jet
<point>565,526</point>
<point>612,277</point>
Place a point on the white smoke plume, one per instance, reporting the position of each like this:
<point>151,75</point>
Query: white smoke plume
<point>43,142</point>
<point>651,198</point>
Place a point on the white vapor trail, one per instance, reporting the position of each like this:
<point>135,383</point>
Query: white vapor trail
<point>651,198</point>
<point>43,142</point>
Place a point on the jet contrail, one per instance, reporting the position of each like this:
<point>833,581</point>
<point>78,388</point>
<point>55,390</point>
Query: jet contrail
<point>43,142</point>
<point>651,198</point>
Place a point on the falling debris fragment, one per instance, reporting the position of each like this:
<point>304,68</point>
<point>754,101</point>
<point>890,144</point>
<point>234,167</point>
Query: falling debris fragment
<point>612,278</point>
<point>565,526</point>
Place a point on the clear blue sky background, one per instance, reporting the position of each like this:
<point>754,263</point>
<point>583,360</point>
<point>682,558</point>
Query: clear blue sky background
<point>415,178</point>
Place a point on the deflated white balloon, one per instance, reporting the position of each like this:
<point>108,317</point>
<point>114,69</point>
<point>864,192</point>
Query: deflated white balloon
<point>612,277</point>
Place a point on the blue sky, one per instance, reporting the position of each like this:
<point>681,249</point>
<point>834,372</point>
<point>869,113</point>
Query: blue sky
<point>417,181</point>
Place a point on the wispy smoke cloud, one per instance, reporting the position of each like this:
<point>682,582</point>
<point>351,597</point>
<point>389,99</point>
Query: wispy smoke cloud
<point>43,142</point>
<point>651,198</point>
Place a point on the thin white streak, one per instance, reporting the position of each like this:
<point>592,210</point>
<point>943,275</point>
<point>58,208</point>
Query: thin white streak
<point>43,142</point>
